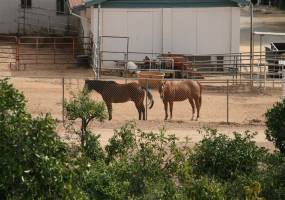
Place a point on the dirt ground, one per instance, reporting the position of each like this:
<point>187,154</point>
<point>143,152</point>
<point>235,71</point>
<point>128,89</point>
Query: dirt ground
<point>246,109</point>
<point>45,95</point>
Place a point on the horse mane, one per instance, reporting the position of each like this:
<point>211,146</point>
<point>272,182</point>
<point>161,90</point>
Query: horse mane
<point>99,85</point>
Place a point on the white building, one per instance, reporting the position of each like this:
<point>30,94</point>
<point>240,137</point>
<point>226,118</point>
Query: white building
<point>35,16</point>
<point>161,26</point>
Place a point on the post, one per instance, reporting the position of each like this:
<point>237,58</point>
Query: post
<point>227,101</point>
<point>251,44</point>
<point>37,41</point>
<point>128,42</point>
<point>98,42</point>
<point>24,24</point>
<point>260,58</point>
<point>283,85</point>
<point>73,48</point>
<point>260,47</point>
<point>48,24</point>
<point>265,77</point>
<point>68,19</point>
<point>63,100</point>
<point>126,66</point>
<point>126,57</point>
<point>18,53</point>
<point>240,67</point>
<point>54,51</point>
<point>146,101</point>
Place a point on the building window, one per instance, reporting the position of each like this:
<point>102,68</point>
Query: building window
<point>26,3</point>
<point>60,7</point>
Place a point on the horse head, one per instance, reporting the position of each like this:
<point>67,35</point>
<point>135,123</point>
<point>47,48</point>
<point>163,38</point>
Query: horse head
<point>161,89</point>
<point>97,85</point>
<point>87,86</point>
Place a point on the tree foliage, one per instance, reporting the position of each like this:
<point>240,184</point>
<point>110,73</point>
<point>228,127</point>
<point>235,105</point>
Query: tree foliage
<point>82,107</point>
<point>135,165</point>
<point>275,123</point>
<point>34,163</point>
<point>225,158</point>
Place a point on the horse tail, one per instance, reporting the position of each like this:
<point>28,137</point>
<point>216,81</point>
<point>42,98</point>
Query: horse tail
<point>200,97</point>
<point>150,97</point>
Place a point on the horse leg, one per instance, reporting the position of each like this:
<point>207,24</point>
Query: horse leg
<point>143,111</point>
<point>193,107</point>
<point>171,108</point>
<point>139,108</point>
<point>197,107</point>
<point>140,114</point>
<point>109,107</point>
<point>166,109</point>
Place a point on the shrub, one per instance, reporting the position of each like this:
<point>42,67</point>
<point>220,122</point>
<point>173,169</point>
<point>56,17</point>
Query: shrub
<point>101,181</point>
<point>137,165</point>
<point>204,189</point>
<point>93,147</point>
<point>252,191</point>
<point>82,107</point>
<point>122,142</point>
<point>34,163</point>
<point>146,165</point>
<point>272,178</point>
<point>275,122</point>
<point>225,158</point>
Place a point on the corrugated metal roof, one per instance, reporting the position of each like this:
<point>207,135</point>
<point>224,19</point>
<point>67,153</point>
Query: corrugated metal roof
<point>163,3</point>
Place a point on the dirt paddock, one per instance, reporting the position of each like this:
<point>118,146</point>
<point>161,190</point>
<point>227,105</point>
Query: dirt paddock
<point>246,109</point>
<point>45,95</point>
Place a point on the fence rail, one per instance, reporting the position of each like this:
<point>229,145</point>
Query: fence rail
<point>223,100</point>
<point>64,50</point>
<point>43,50</point>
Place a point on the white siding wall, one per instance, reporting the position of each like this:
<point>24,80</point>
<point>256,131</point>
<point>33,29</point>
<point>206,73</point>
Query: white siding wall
<point>8,16</point>
<point>235,31</point>
<point>214,30</point>
<point>181,30</point>
<point>9,13</point>
<point>184,31</point>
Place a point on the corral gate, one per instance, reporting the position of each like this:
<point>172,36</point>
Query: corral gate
<point>17,52</point>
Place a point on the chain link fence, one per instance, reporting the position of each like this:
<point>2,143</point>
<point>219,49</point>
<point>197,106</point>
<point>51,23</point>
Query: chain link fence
<point>222,101</point>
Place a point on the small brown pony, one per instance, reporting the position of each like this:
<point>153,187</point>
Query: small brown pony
<point>113,92</point>
<point>171,91</point>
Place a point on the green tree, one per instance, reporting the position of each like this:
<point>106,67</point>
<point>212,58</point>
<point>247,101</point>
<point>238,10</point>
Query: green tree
<point>204,189</point>
<point>275,123</point>
<point>82,107</point>
<point>252,191</point>
<point>225,158</point>
<point>34,163</point>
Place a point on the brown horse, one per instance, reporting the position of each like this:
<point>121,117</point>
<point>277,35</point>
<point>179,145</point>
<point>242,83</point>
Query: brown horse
<point>171,91</point>
<point>113,92</point>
